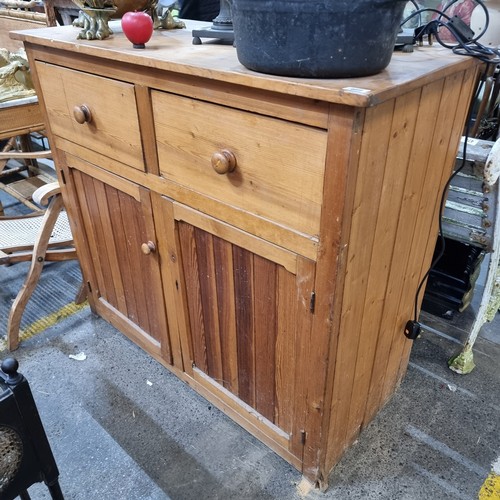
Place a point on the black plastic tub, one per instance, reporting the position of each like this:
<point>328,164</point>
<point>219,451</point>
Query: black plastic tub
<point>316,39</point>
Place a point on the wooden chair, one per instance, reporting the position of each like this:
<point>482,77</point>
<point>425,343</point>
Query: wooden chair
<point>21,117</point>
<point>37,237</point>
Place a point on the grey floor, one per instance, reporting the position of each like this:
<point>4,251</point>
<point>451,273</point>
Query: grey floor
<point>122,427</point>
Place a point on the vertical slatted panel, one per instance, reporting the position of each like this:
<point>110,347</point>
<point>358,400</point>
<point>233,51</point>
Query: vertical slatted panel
<point>427,222</point>
<point>418,167</point>
<point>265,335</point>
<point>132,254</point>
<point>106,288</point>
<point>401,139</point>
<point>89,232</point>
<point>243,317</point>
<point>192,277</point>
<point>108,244</point>
<point>244,293</point>
<point>370,179</point>
<point>124,257</point>
<point>208,289</point>
<point>116,225</point>
<point>286,323</point>
<point>223,256</point>
<point>466,88</point>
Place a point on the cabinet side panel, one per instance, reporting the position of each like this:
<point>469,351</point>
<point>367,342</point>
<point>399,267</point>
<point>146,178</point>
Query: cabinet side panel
<point>467,88</point>
<point>420,180</point>
<point>389,245</point>
<point>383,257</point>
<point>376,140</point>
<point>455,99</point>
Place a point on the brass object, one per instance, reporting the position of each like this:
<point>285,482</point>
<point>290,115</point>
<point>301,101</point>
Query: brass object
<point>163,18</point>
<point>95,15</point>
<point>15,79</point>
<point>222,26</point>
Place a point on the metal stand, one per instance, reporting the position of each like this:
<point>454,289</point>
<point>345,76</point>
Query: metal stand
<point>25,454</point>
<point>221,29</point>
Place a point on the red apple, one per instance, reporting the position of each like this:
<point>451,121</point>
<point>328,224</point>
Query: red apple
<point>138,28</point>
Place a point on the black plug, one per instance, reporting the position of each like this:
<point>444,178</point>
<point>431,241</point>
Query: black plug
<point>463,33</point>
<point>412,330</point>
<point>428,30</point>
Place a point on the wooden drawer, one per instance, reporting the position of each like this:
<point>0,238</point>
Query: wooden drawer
<point>113,126</point>
<point>270,179</point>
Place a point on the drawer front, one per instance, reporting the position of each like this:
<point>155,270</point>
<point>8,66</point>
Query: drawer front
<point>109,127</point>
<point>279,165</point>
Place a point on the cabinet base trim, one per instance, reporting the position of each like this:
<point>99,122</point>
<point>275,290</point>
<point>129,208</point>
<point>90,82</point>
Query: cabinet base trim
<point>128,328</point>
<point>244,415</point>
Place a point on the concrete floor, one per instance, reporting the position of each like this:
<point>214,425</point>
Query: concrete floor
<point>122,427</point>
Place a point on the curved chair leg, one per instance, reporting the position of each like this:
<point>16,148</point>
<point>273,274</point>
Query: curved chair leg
<point>39,250</point>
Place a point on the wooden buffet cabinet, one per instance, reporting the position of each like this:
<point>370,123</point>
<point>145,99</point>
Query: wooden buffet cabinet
<point>262,237</point>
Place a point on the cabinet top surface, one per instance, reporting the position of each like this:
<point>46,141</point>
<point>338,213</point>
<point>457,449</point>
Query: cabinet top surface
<point>172,50</point>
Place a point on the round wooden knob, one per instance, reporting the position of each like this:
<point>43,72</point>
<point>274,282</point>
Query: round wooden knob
<point>223,161</point>
<point>148,247</point>
<point>82,114</point>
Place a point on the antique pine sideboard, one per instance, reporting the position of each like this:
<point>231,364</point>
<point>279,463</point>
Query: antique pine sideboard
<point>262,237</point>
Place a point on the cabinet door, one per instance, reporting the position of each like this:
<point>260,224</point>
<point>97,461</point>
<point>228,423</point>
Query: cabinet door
<point>248,302</point>
<point>117,229</point>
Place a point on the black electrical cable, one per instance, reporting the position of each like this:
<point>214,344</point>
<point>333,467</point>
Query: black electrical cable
<point>468,47</point>
<point>420,12</point>
<point>439,22</point>
<point>485,10</point>
<point>444,196</point>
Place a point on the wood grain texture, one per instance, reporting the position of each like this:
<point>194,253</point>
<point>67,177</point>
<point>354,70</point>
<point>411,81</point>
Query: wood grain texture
<point>115,227</point>
<point>377,130</point>
<point>112,171</point>
<point>345,127</point>
<point>193,295</point>
<point>173,280</point>
<point>444,149</point>
<point>289,193</point>
<point>469,82</point>
<point>402,133</point>
<point>418,168</point>
<point>114,127</point>
<point>147,128</point>
<point>243,324</point>
<point>224,282</point>
<point>287,282</point>
<point>176,53</point>
<point>265,336</point>
<point>244,296</point>
<point>20,119</point>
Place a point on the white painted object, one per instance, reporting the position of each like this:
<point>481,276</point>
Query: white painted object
<point>491,37</point>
